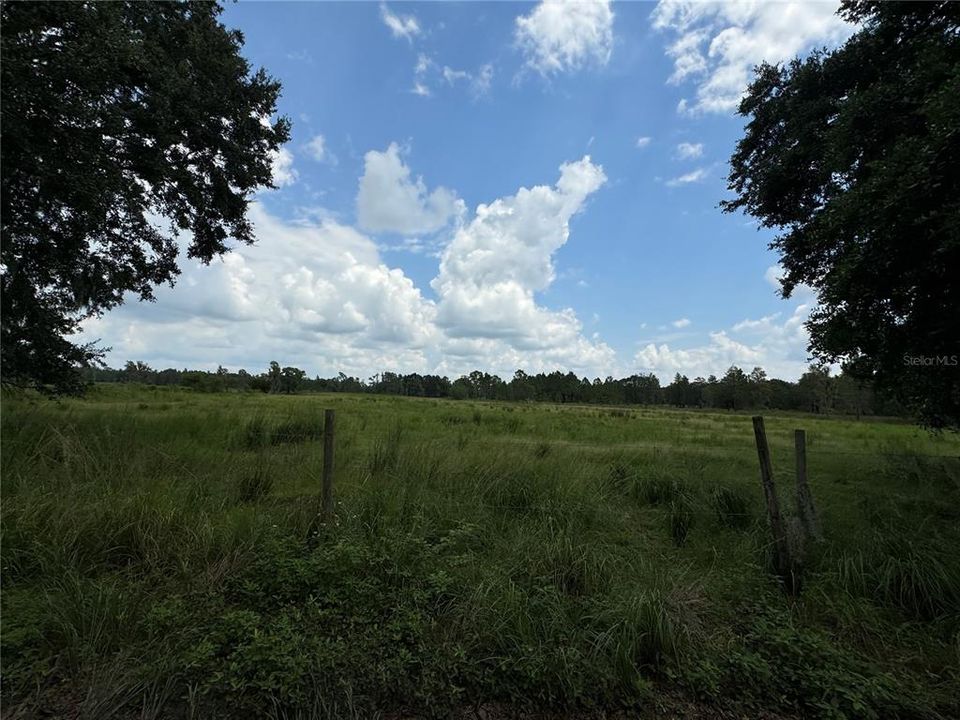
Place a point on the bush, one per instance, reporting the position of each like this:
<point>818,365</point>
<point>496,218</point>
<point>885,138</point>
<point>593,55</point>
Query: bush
<point>776,664</point>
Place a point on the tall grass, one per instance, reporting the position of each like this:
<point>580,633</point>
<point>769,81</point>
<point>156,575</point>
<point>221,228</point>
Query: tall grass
<point>164,557</point>
<point>916,578</point>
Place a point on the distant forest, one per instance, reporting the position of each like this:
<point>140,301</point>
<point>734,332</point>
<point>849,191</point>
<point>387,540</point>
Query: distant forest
<point>816,391</point>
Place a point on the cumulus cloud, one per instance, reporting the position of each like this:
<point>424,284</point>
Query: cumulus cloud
<point>391,200</point>
<point>681,323</point>
<point>491,270</point>
<point>777,344</point>
<point>688,151</point>
<point>643,141</point>
<point>282,167</point>
<point>560,36</point>
<point>318,295</point>
<point>405,26</point>
<point>716,45</point>
<point>691,177</point>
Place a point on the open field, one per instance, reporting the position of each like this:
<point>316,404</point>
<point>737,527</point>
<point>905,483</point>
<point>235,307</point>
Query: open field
<point>161,558</point>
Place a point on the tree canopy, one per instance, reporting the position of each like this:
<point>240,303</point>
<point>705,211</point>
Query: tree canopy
<point>124,124</point>
<point>852,155</point>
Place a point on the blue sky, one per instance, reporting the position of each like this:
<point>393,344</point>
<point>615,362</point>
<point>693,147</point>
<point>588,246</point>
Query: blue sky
<point>494,186</point>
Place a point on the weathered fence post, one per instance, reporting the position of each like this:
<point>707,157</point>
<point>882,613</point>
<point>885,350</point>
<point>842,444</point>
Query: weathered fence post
<point>326,504</point>
<point>783,560</point>
<point>805,507</point>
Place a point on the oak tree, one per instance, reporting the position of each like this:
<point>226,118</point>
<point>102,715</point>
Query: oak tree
<point>853,156</point>
<point>124,124</point>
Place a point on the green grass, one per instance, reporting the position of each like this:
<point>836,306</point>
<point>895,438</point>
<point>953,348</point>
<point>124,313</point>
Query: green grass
<point>162,557</point>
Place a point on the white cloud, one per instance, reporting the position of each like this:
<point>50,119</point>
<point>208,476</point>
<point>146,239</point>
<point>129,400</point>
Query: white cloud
<point>451,75</point>
<point>716,45</point>
<point>424,63</point>
<point>560,36</point>
<point>317,147</point>
<point>491,270</point>
<point>405,26</point>
<point>803,292</point>
<point>681,323</point>
<point>282,167</point>
<point>773,275</point>
<point>778,346</point>
<point>420,70</point>
<point>481,82</point>
<point>711,359</point>
<point>688,151</point>
<point>315,296</point>
<point>427,72</point>
<point>319,296</point>
<point>690,177</point>
<point>390,200</point>
<point>643,141</point>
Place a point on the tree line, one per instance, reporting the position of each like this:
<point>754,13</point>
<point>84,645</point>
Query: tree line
<point>816,391</point>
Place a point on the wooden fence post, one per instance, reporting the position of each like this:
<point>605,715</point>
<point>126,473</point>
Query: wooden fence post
<point>805,507</point>
<point>782,557</point>
<point>326,505</point>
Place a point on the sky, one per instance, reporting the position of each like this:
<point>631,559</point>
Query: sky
<point>496,186</point>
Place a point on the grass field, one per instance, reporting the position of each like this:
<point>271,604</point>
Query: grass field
<point>161,558</point>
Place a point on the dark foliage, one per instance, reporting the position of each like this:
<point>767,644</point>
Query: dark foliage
<point>816,391</point>
<point>853,156</point>
<point>117,117</point>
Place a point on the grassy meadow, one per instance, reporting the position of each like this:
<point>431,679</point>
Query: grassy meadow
<point>161,557</point>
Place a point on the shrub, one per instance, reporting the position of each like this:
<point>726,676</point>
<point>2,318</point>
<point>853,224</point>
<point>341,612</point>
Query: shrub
<point>777,664</point>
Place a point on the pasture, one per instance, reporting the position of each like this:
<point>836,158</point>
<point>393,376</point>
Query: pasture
<point>162,557</point>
